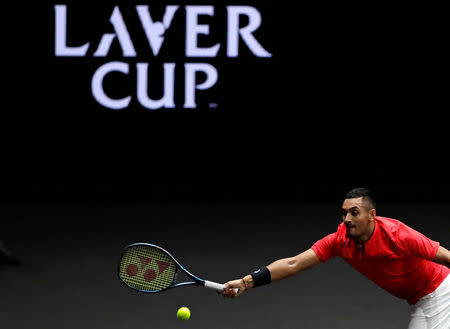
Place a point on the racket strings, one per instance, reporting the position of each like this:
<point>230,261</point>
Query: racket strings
<point>147,268</point>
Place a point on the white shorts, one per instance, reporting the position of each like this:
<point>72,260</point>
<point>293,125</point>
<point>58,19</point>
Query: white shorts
<point>433,310</point>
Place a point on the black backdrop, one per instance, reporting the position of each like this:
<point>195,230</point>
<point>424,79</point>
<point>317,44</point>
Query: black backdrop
<point>352,95</point>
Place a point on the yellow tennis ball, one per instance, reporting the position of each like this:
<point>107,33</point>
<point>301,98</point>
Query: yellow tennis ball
<point>183,313</point>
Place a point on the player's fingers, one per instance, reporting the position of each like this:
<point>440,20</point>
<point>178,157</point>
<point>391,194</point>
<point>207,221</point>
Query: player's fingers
<point>228,295</point>
<point>228,287</point>
<point>234,288</point>
<point>238,287</point>
<point>226,290</point>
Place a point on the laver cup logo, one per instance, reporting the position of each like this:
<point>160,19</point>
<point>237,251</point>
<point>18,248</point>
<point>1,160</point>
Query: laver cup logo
<point>195,72</point>
<point>147,268</point>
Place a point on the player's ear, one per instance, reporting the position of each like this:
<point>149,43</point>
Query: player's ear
<point>372,214</point>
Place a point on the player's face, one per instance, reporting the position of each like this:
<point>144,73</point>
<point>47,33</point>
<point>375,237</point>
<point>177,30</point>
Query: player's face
<point>357,217</point>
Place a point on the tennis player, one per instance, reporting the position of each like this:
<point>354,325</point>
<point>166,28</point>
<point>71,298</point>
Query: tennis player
<point>397,258</point>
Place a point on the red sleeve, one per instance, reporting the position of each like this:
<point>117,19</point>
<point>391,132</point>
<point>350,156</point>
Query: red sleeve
<point>326,247</point>
<point>416,244</point>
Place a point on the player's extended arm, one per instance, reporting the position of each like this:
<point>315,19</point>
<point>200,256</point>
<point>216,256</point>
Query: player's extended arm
<point>279,270</point>
<point>286,267</point>
<point>442,256</point>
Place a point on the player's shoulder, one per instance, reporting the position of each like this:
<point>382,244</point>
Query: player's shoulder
<point>388,222</point>
<point>390,226</point>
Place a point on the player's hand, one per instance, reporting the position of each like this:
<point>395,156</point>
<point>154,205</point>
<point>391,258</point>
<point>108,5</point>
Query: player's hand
<point>231,286</point>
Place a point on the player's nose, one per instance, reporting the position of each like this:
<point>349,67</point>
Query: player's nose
<point>347,219</point>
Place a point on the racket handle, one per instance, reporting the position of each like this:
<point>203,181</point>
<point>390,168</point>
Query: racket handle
<point>216,286</point>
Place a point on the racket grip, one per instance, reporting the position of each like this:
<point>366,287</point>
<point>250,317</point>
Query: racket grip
<point>216,286</point>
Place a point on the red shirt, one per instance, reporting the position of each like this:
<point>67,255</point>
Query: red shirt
<point>396,257</point>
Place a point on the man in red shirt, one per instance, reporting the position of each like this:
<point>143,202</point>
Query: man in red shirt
<point>397,258</point>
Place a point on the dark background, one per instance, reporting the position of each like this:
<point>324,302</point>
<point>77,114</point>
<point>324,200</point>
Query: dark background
<point>353,96</point>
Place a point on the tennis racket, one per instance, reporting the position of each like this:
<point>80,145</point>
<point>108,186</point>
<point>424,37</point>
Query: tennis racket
<point>148,268</point>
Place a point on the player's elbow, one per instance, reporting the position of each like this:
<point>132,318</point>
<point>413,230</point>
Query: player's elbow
<point>294,265</point>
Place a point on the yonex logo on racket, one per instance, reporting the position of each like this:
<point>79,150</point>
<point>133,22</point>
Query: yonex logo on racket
<point>145,268</point>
